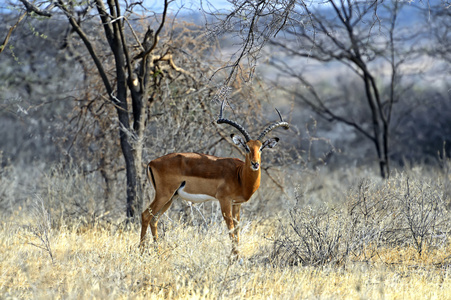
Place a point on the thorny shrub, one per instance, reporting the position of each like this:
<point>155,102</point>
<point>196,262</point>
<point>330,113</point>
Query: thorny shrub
<point>406,210</point>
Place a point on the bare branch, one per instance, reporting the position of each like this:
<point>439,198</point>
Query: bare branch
<point>157,33</point>
<point>10,31</point>
<point>33,8</point>
<point>88,46</point>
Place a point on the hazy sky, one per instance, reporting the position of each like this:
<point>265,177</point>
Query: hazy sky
<point>189,4</point>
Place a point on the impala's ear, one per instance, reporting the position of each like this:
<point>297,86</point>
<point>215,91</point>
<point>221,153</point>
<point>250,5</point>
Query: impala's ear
<point>238,140</point>
<point>270,143</point>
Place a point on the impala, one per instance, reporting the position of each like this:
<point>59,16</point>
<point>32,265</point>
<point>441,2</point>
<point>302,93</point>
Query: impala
<point>199,177</point>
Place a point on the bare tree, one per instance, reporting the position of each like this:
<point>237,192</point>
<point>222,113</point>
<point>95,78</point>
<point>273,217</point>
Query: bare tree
<point>131,85</point>
<point>352,34</point>
<point>360,35</point>
<point>171,125</point>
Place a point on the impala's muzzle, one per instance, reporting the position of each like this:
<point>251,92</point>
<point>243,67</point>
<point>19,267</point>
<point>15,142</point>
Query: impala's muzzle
<point>255,166</point>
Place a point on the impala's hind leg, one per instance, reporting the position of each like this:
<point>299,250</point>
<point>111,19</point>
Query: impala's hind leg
<point>151,215</point>
<point>156,217</point>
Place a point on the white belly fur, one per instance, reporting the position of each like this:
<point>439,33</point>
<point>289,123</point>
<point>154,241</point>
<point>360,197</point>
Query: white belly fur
<point>195,198</point>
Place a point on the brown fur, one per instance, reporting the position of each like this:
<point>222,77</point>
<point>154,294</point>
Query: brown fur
<point>230,180</point>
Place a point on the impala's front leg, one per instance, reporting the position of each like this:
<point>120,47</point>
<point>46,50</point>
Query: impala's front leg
<point>236,221</point>
<point>226,209</point>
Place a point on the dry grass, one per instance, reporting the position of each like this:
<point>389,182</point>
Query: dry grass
<point>92,260</point>
<point>103,262</point>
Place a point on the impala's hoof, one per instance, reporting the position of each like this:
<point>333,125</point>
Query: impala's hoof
<point>235,255</point>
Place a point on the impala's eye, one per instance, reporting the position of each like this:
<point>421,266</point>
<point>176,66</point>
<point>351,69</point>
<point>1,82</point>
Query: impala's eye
<point>247,149</point>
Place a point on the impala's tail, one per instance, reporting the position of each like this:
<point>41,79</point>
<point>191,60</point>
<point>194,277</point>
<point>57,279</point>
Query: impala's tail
<point>150,176</point>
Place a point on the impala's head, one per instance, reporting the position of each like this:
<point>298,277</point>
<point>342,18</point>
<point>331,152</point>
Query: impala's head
<point>253,148</point>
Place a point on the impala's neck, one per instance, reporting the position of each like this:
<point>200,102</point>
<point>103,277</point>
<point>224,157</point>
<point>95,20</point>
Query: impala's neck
<point>250,179</point>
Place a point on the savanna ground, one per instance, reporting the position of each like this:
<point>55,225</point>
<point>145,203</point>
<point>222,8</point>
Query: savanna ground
<point>331,235</point>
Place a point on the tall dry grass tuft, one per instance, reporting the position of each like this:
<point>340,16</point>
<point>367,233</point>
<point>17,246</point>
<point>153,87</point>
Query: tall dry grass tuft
<point>40,232</point>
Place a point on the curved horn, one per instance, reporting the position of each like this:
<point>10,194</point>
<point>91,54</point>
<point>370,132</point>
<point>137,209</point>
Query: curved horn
<point>282,123</point>
<point>236,125</point>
